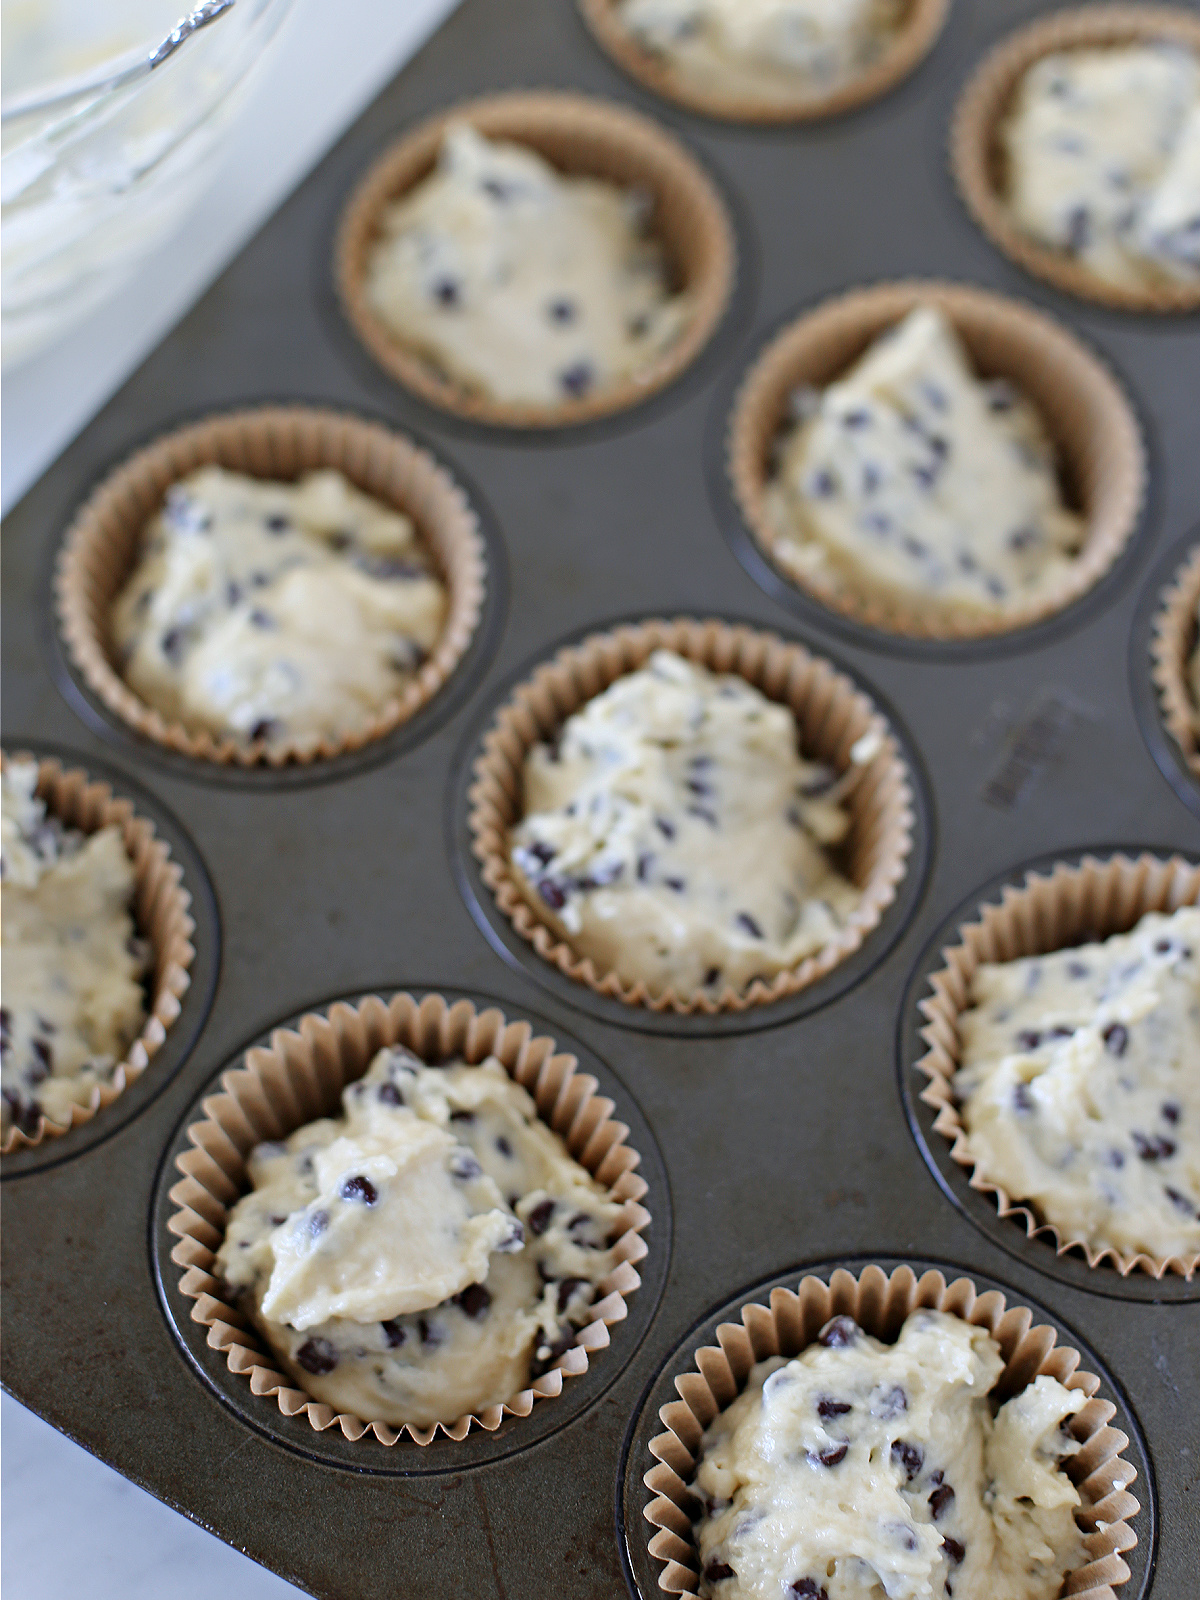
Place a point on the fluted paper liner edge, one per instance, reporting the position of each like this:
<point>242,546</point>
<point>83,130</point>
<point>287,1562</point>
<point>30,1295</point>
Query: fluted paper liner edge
<point>282,442</point>
<point>832,714</point>
<point>1047,912</point>
<point>298,1078</point>
<point>1175,641</point>
<point>160,915</point>
<point>1098,440</point>
<point>976,156</point>
<point>909,46</point>
<point>578,135</point>
<point>879,1304</point>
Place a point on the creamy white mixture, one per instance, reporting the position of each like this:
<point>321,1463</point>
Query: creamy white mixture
<point>764,49</point>
<point>865,1471</point>
<point>73,1000</point>
<point>281,612</point>
<point>1103,161</point>
<point>912,478</point>
<point>425,1254</point>
<point>675,835</point>
<point>1080,1085</point>
<point>521,283</point>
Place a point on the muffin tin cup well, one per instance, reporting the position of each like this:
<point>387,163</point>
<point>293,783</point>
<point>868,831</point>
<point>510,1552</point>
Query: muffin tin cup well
<point>879,1302</point>
<point>1174,644</point>
<point>1101,452</point>
<point>300,1077</point>
<point>160,913</point>
<point>977,155</point>
<point>1049,911</point>
<point>283,442</point>
<point>832,716</point>
<point>580,137</point>
<point>909,46</point>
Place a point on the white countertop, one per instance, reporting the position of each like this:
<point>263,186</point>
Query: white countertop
<point>71,1525</point>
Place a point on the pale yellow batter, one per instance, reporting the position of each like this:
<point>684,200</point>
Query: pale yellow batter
<point>520,283</point>
<point>675,834</point>
<point>426,1253</point>
<point>73,1002</point>
<point>865,1471</point>
<point>1080,1085</point>
<point>286,612</point>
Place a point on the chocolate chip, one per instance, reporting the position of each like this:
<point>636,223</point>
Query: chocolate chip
<point>1077,969</point>
<point>713,975</point>
<point>547,1354</point>
<point>394,1333</point>
<point>1116,1038</point>
<point>538,1219</point>
<point>317,1223</point>
<point>429,1333</point>
<point>746,921</point>
<point>390,1095</point>
<point>809,1589</point>
<point>503,1146</point>
<point>1154,1148</point>
<point>277,524</point>
<point>831,1457</point>
<point>474,1300</point>
<point>1115,1158</point>
<point>704,814</point>
<point>839,1332</point>
<point>667,829</point>
<point>677,884</point>
<point>1162,946</point>
<point>1171,1111</point>
<point>233,593</point>
<point>541,851</point>
<point>578,379</point>
<point>463,1165</point>
<point>497,189</point>
<point>821,485</point>
<point>562,311</point>
<point>1180,1201</point>
<point>264,728</point>
<point>359,1188</point>
<point>1023,1098</point>
<point>645,865</point>
<point>909,1457</point>
<point>462,1116</point>
<point>44,1054</point>
<point>171,645</point>
<point>317,1356</point>
<point>940,1499</point>
<point>954,1550</point>
<point>1079,228</point>
<point>889,1404</point>
<point>552,893</point>
<point>513,1240</point>
<point>856,419</point>
<point>1028,1039</point>
<point>447,292</point>
<point>261,618</point>
<point>566,1289</point>
<point>717,1571</point>
<point>833,1408</point>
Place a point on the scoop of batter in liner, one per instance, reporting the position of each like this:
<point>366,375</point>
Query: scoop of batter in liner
<point>282,612</point>
<point>521,283</point>
<point>675,835</point>
<point>427,1253</point>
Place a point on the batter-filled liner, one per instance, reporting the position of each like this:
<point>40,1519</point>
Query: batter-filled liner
<point>299,1078</point>
<point>1176,639</point>
<point>879,1304</point>
<point>580,137</point>
<point>1070,905</point>
<point>832,716</point>
<point>160,913</point>
<point>1099,444</point>
<point>977,153</point>
<point>102,547</point>
<point>908,47</point>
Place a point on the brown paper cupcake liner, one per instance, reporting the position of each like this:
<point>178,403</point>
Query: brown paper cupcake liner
<point>832,715</point>
<point>283,442</point>
<point>1174,644</point>
<point>300,1077</point>
<point>1050,912</point>
<point>879,1304</point>
<point>160,913</point>
<point>977,154</point>
<point>579,136</point>
<point>909,46</point>
<point>1102,459</point>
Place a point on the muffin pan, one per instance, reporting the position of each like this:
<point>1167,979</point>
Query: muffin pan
<point>784,1139</point>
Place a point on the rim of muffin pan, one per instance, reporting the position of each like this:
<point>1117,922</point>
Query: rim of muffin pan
<point>977,156</point>
<point>579,135</point>
<point>1052,903</point>
<point>910,44</point>
<point>295,1073</point>
<point>173,909</point>
<point>708,1368</point>
<point>1102,449</point>
<point>888,847</point>
<point>275,443</point>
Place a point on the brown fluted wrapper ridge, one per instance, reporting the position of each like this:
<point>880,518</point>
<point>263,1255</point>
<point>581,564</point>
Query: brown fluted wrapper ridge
<point>160,914</point>
<point>1050,912</point>
<point>279,442</point>
<point>831,715</point>
<point>1174,644</point>
<point>299,1078</point>
<point>1100,450</point>
<point>879,1304</point>
<point>977,153</point>
<point>908,48</point>
<point>581,137</point>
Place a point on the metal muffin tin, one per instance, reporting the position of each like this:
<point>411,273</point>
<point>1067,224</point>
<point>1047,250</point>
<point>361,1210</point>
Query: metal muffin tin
<point>772,1141</point>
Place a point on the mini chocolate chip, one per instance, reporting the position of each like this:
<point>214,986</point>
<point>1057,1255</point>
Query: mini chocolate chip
<point>833,1408</point>
<point>839,1332</point>
<point>317,1223</point>
<point>890,1404</point>
<point>1155,1148</point>
<point>914,547</point>
<point>1116,1038</point>
<point>697,786</point>
<point>645,866</point>
<point>552,893</point>
<point>940,1499</point>
<point>745,920</point>
<point>1028,1039</point>
<point>538,1219</point>
<point>1077,969</point>
<point>1115,1158</point>
<point>704,814</point>
<point>513,1240</point>
<point>390,1095</point>
<point>821,485</point>
<point>562,311</point>
<point>462,1116</point>
<point>1180,1201</point>
<point>717,1571</point>
<point>547,1354</point>
<point>995,588</point>
<point>541,851</point>
<point>264,728</point>
<point>954,1550</point>
<point>171,645</point>
<point>566,1289</point>
<point>261,618</point>
<point>429,1333</point>
<point>447,292</point>
<point>1023,538</point>
<point>463,1165</point>
<point>1171,1111</point>
<point>43,1052</point>
<point>713,975</point>
<point>831,1457</point>
<point>856,419</point>
<point>1023,1098</point>
<point>394,1333</point>
<point>277,524</point>
<point>909,1457</point>
<point>667,829</point>
<point>677,884</point>
<point>359,1188</point>
<point>233,593</point>
<point>1162,946</point>
<point>474,1300</point>
<point>497,189</point>
<point>1079,227</point>
<point>317,1356</point>
<point>809,1589</point>
<point>578,379</point>
<point>503,1145</point>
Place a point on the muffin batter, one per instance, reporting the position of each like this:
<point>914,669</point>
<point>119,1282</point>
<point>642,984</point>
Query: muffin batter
<point>1103,154</point>
<point>427,1253</point>
<point>860,1471</point>
<point>73,1002</point>
<point>520,283</point>
<point>280,612</point>
<point>674,834</point>
<point>764,49</point>
<point>1080,1085</point>
<point>912,478</point>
